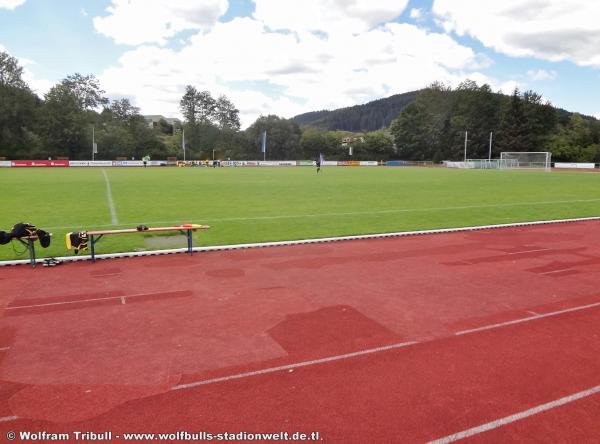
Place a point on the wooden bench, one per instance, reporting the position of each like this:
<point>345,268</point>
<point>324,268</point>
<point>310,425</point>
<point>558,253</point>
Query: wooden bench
<point>187,229</point>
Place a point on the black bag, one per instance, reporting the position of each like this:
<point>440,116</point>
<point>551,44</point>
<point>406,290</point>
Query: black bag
<point>5,237</point>
<point>44,238</point>
<point>77,241</point>
<point>23,229</point>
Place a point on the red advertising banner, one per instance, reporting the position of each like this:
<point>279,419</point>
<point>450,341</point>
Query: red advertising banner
<point>40,163</point>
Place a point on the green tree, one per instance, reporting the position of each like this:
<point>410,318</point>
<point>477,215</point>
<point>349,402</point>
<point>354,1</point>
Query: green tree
<point>283,138</point>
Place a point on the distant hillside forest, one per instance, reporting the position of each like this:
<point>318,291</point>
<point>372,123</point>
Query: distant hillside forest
<point>424,125</point>
<point>371,116</point>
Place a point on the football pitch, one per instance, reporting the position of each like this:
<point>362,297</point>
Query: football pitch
<point>248,205</point>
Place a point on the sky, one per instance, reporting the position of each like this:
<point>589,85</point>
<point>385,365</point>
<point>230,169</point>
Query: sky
<point>287,57</point>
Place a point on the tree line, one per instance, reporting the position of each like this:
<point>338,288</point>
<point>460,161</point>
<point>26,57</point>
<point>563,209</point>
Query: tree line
<point>433,126</point>
<point>430,126</point>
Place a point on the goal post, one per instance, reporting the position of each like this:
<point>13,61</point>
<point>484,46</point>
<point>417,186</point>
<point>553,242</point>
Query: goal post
<point>525,160</point>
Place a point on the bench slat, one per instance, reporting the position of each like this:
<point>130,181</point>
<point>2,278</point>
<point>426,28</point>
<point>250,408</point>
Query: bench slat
<point>134,230</point>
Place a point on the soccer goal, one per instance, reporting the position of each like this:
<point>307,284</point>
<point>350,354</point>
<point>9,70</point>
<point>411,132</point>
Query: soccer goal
<point>525,160</point>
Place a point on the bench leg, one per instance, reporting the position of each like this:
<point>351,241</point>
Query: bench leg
<point>189,239</point>
<point>31,248</point>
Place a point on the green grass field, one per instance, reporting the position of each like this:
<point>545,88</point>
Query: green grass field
<point>245,205</point>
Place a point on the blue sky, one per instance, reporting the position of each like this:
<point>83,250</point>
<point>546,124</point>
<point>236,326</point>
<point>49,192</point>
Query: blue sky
<point>287,57</point>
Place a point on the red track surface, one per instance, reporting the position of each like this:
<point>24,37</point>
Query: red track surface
<point>123,345</point>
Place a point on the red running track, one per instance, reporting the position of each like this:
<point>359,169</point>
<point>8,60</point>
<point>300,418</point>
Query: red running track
<point>389,340</point>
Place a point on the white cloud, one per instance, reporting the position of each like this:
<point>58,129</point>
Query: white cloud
<point>509,86</point>
<point>329,16</point>
<point>597,116</point>
<point>541,74</point>
<point>307,71</point>
<point>134,22</point>
<point>10,4</point>
<point>416,13</point>
<point>553,30</point>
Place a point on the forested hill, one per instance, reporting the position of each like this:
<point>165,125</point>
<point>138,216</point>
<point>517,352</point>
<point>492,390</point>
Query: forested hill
<point>359,118</point>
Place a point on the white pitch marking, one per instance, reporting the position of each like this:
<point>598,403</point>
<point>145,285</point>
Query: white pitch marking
<point>293,366</point>
<point>355,213</point>
<point>518,321</point>
<point>111,204</point>
<point>516,417</point>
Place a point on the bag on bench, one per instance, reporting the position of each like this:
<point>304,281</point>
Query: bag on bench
<point>5,237</point>
<point>23,229</point>
<point>44,238</point>
<point>77,241</point>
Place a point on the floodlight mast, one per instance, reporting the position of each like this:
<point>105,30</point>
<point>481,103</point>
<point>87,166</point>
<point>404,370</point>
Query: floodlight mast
<point>490,154</point>
<point>466,138</point>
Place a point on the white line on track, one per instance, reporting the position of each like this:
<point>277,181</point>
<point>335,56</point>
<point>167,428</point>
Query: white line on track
<point>8,418</point>
<point>531,251</point>
<point>334,358</point>
<point>531,318</point>
<point>354,213</point>
<point>516,417</point>
<point>293,366</point>
<point>4,349</point>
<point>556,271</point>
<point>111,205</point>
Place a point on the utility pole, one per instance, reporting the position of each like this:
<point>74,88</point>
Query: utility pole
<point>490,154</point>
<point>466,146</point>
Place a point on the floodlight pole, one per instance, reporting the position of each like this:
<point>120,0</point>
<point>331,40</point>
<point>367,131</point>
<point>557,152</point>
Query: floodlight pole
<point>183,142</point>
<point>490,154</point>
<point>93,141</point>
<point>213,154</point>
<point>466,146</point>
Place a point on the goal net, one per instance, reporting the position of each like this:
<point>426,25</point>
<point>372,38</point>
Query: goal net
<point>527,160</point>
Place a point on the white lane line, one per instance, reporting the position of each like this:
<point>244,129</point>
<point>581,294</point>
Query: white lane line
<point>533,313</point>
<point>531,251</point>
<point>8,418</point>
<point>516,417</point>
<point>293,366</point>
<point>531,318</point>
<point>354,213</point>
<point>80,301</point>
<point>111,204</point>
<point>556,271</point>
<point>4,349</point>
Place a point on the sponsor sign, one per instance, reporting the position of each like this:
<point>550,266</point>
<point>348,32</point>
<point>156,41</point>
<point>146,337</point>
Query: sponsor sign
<point>573,165</point>
<point>129,163</point>
<point>368,163</point>
<point>5,163</point>
<point>40,163</point>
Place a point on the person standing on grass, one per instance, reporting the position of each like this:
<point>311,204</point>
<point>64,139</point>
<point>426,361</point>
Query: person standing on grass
<point>145,159</point>
<point>318,163</point>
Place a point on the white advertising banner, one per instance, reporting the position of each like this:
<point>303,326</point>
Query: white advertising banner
<point>129,163</point>
<point>5,163</point>
<point>573,165</point>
